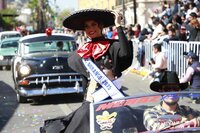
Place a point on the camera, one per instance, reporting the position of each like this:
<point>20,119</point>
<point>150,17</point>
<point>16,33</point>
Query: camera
<point>185,53</point>
<point>151,61</point>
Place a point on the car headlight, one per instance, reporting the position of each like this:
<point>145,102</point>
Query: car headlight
<point>1,57</point>
<point>24,70</point>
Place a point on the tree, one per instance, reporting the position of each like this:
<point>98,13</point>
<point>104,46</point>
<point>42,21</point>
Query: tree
<point>61,16</point>
<point>7,18</point>
<point>40,9</point>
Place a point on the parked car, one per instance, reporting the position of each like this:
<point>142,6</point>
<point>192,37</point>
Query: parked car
<point>125,115</point>
<point>8,49</point>
<point>40,67</point>
<point>9,34</point>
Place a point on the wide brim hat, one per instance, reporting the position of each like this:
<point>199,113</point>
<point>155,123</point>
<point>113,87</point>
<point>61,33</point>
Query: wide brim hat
<point>168,81</point>
<point>76,20</point>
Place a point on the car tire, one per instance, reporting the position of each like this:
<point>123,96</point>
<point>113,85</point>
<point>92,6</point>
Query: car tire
<point>81,96</point>
<point>1,67</point>
<point>8,67</point>
<point>21,99</point>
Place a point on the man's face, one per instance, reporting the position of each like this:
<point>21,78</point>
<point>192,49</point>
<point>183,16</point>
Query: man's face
<point>155,50</point>
<point>170,33</point>
<point>171,99</point>
<point>191,18</point>
<point>189,61</point>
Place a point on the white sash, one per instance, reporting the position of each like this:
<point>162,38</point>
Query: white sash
<point>109,89</point>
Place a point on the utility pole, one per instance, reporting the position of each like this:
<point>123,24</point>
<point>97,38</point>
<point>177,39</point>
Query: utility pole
<point>135,11</point>
<point>41,18</point>
<point>123,11</point>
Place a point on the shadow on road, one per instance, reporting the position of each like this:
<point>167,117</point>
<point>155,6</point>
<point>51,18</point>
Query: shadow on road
<point>57,99</point>
<point>8,103</point>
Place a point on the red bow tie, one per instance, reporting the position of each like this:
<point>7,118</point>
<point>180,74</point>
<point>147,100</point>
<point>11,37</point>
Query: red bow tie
<point>94,49</point>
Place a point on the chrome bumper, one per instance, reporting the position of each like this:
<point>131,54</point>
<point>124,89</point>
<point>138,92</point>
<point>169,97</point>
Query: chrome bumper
<point>5,62</point>
<point>48,91</point>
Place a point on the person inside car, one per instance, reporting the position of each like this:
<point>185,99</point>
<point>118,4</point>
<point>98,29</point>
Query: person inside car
<point>100,61</point>
<point>185,116</point>
<point>60,46</point>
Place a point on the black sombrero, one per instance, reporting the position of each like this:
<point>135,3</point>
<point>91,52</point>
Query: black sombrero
<point>76,20</point>
<point>168,81</point>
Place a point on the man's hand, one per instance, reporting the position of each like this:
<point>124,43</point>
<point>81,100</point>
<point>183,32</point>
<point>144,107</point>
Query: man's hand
<point>192,123</point>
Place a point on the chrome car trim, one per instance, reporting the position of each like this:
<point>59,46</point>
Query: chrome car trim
<point>44,35</point>
<point>49,91</point>
<point>37,81</point>
<point>51,74</point>
<point>53,78</point>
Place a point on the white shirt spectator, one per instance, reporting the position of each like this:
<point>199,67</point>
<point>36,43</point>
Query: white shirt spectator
<point>160,61</point>
<point>158,29</point>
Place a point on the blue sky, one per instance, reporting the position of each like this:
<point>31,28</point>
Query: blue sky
<point>65,4</point>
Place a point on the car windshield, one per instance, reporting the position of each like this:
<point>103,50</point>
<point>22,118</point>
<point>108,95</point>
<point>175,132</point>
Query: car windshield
<point>49,46</point>
<point>127,115</point>
<point>10,36</point>
<point>8,44</point>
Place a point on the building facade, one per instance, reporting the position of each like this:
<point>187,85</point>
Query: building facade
<point>2,4</point>
<point>134,11</point>
<point>100,4</point>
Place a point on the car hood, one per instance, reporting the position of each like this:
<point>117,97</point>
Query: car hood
<point>49,62</point>
<point>40,55</point>
<point>8,51</point>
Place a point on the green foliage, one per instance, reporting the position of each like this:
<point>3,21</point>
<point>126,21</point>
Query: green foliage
<point>8,22</point>
<point>32,4</point>
<point>62,15</point>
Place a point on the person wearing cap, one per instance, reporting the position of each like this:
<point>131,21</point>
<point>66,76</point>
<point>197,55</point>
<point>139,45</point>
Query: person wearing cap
<point>192,74</point>
<point>169,106</point>
<point>97,59</point>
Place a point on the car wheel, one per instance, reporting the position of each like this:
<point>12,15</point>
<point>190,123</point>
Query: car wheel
<point>81,96</point>
<point>8,67</point>
<point>1,67</point>
<point>21,99</point>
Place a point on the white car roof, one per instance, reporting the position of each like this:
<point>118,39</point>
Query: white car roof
<point>9,32</point>
<point>43,34</point>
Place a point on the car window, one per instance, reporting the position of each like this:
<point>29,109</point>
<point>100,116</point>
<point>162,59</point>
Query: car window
<point>7,44</point>
<point>48,46</point>
<point>10,36</point>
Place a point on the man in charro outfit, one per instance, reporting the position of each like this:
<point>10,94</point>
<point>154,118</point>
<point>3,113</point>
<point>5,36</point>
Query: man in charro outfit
<point>183,116</point>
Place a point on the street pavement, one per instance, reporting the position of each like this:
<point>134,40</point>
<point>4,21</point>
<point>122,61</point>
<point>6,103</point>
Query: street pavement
<point>29,117</point>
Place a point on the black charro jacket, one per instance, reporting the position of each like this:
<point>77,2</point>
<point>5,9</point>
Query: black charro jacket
<point>120,53</point>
